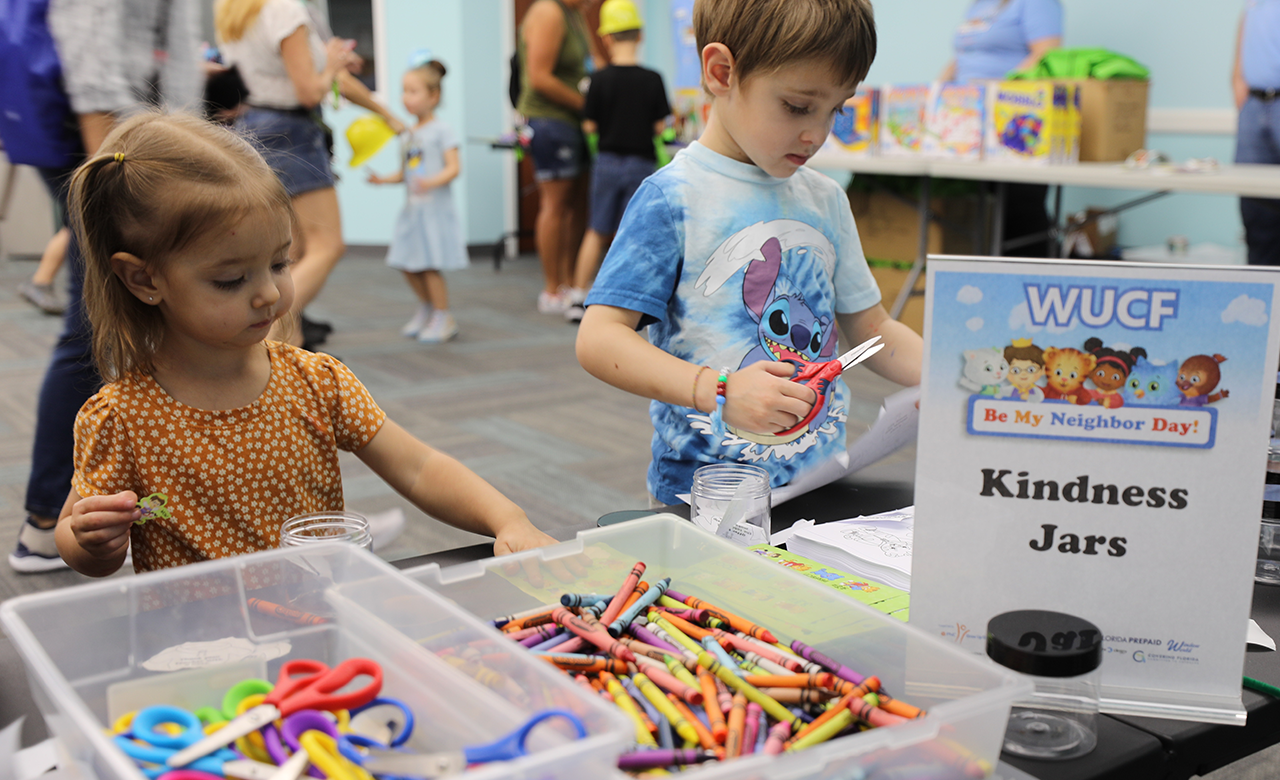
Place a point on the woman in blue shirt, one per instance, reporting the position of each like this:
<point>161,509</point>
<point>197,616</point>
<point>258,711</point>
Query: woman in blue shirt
<point>996,37</point>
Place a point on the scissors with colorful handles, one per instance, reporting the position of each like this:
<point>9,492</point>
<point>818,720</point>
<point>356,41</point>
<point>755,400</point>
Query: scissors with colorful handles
<point>303,684</point>
<point>445,764</point>
<point>157,733</point>
<point>819,376</point>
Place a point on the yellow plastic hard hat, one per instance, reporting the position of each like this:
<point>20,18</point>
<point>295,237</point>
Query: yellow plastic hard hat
<point>367,135</point>
<point>618,16</point>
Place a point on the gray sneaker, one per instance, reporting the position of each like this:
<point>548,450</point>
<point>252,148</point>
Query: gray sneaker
<point>42,297</point>
<point>36,550</point>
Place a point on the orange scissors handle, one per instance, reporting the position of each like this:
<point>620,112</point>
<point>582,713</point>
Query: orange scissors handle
<point>319,691</point>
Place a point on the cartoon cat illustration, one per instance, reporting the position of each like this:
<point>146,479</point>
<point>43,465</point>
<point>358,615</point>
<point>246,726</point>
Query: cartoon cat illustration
<point>984,371</point>
<point>1111,371</point>
<point>1197,377</point>
<point>1152,384</point>
<point>1065,370</point>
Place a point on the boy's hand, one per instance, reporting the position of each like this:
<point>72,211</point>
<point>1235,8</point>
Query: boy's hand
<point>515,537</point>
<point>761,398</point>
<point>101,523</point>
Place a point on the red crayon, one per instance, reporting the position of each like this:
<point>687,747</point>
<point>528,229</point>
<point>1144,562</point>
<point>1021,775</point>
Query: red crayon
<point>600,638</point>
<point>619,601</point>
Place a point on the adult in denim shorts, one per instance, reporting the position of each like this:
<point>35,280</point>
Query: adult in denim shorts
<point>283,121</point>
<point>553,49</point>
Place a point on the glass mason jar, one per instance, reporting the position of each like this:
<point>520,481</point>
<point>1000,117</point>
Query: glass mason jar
<point>318,527</point>
<point>732,500</point>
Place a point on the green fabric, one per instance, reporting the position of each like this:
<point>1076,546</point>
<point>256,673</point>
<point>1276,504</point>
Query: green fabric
<point>570,69</point>
<point>593,144</point>
<point>660,151</point>
<point>1084,64</point>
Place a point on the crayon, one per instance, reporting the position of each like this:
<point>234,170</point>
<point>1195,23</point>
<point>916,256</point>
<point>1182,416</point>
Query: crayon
<point>835,709</point>
<point>694,632</point>
<point>866,710</point>
<point>651,715</point>
<point>819,680</point>
<point>737,726</point>
<point>775,710</point>
<point>665,739</point>
<point>897,707</point>
<point>625,590</point>
<point>801,716</point>
<point>743,643</point>
<point>582,599</point>
<point>677,636</point>
<point>595,610</point>
<point>762,731</point>
<point>557,637</point>
<point>705,739</point>
<point>830,664</point>
<point>640,648</point>
<point>641,604</point>
<point>754,711</point>
<point>658,674</point>
<point>573,644</point>
<point>537,617</point>
<point>823,732</point>
<point>503,621</point>
<point>286,613</point>
<point>525,633</point>
<point>798,695</point>
<point>680,671</point>
<point>738,623</point>
<point>650,638</point>
<point>584,663</point>
<point>711,703</point>
<point>712,646</point>
<point>764,664</point>
<point>600,639</point>
<point>659,701</point>
<point>652,759</point>
<point>628,706</point>
<point>778,734</point>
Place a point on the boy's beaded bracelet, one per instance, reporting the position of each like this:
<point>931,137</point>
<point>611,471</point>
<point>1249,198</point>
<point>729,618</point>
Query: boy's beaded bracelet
<point>717,415</point>
<point>694,395</point>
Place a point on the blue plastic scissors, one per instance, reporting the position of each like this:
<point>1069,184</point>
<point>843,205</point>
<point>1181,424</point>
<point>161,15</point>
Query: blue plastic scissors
<point>152,748</point>
<point>444,764</point>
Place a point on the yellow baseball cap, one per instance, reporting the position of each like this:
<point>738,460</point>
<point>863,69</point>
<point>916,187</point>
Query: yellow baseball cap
<point>618,16</point>
<point>367,134</point>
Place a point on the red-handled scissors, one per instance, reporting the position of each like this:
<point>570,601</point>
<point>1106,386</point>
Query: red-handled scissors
<point>819,376</point>
<point>302,685</point>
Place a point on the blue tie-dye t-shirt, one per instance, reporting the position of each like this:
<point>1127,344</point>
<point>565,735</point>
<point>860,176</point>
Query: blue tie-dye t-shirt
<point>729,266</point>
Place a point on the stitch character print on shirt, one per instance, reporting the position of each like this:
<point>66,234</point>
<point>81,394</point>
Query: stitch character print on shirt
<point>786,326</point>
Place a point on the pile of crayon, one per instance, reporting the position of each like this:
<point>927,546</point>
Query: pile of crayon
<point>701,683</point>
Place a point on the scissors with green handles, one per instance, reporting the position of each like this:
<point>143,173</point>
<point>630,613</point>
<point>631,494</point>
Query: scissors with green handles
<point>444,764</point>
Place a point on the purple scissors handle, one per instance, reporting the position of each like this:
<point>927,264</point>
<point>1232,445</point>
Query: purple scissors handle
<point>291,728</point>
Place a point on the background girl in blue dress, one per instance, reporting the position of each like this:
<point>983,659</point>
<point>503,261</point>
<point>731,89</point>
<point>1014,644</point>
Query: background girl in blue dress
<point>428,235</point>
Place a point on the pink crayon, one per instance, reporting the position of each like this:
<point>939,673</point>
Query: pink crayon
<point>598,637</point>
<point>619,601</point>
<point>752,725</point>
<point>778,734</point>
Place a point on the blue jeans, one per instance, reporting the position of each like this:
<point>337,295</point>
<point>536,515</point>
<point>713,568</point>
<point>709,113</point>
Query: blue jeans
<point>71,379</point>
<point>614,179</point>
<point>558,150</point>
<point>1258,141</point>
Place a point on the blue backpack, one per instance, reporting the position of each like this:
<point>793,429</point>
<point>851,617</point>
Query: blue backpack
<point>37,125</point>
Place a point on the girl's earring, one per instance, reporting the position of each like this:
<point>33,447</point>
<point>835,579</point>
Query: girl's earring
<point>153,300</point>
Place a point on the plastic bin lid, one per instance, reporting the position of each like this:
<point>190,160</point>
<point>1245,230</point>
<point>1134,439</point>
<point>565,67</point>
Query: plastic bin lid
<point>1044,643</point>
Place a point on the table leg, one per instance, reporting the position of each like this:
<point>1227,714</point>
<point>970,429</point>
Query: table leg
<point>1057,234</point>
<point>922,251</point>
<point>997,222</point>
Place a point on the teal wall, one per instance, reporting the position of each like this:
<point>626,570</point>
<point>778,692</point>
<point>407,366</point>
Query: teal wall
<point>1188,44</point>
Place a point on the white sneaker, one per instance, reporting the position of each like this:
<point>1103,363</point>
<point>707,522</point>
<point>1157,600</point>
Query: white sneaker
<point>575,313</point>
<point>385,527</point>
<point>441,328</point>
<point>419,321</point>
<point>552,303</point>
<point>36,550</point>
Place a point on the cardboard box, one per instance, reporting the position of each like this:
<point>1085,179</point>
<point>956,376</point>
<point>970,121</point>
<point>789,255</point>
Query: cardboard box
<point>1113,115</point>
<point>890,278</point>
<point>1098,235</point>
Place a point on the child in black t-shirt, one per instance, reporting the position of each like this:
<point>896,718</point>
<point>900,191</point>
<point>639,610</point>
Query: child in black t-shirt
<point>627,106</point>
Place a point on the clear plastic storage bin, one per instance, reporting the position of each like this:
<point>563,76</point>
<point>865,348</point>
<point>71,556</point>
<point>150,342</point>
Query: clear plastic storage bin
<point>967,697</point>
<point>183,636</point>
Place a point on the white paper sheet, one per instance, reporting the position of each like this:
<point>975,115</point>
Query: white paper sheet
<point>895,427</point>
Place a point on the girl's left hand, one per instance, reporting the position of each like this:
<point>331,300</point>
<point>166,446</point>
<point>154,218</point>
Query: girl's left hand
<point>520,536</point>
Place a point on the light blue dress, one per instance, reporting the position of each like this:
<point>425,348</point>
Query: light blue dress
<point>996,35</point>
<point>428,234</point>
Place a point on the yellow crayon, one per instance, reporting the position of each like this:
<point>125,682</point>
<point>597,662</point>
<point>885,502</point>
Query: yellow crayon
<point>769,705</point>
<point>660,703</point>
<point>629,706</point>
<point>681,673</point>
<point>676,634</point>
<point>824,732</point>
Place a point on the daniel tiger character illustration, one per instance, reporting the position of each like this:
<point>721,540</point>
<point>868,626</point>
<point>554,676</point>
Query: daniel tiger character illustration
<point>1065,370</point>
<point>984,372</point>
<point>1111,371</point>
<point>1197,377</point>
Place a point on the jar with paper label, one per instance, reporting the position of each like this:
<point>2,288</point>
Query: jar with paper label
<point>1062,655</point>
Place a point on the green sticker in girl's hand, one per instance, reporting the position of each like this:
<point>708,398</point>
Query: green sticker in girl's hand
<point>153,507</point>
